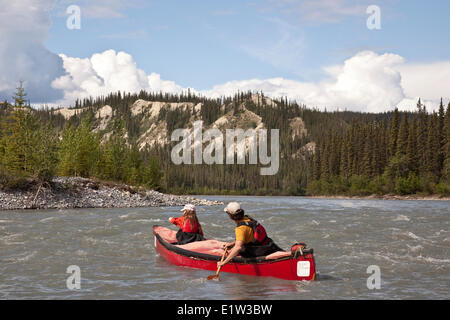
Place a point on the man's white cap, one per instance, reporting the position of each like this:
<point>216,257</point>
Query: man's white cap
<point>232,207</point>
<point>188,206</point>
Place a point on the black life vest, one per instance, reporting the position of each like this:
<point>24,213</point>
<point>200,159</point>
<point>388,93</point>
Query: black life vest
<point>259,233</point>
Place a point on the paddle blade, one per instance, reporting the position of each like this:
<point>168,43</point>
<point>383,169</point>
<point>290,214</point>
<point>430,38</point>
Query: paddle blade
<point>216,276</point>
<point>213,277</point>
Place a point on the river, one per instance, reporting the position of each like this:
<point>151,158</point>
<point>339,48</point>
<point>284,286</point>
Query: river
<point>408,240</point>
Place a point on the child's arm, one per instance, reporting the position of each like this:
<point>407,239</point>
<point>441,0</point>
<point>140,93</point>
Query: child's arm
<point>177,221</point>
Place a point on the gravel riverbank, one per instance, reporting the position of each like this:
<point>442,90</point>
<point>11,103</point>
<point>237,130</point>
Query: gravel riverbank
<point>73,192</point>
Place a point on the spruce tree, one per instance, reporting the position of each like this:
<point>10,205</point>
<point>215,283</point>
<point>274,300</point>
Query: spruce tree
<point>411,149</point>
<point>432,148</point>
<point>46,158</point>
<point>317,162</point>
<point>344,158</point>
<point>19,97</point>
<point>441,115</point>
<point>402,142</point>
<point>446,158</point>
<point>19,139</point>
<point>393,133</point>
<point>421,134</point>
<point>67,151</point>
<point>367,158</point>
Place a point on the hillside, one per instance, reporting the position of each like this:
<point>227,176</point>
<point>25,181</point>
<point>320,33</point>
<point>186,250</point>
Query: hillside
<point>313,145</point>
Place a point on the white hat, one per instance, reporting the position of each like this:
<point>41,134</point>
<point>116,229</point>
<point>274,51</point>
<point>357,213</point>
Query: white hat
<point>188,206</point>
<point>232,207</point>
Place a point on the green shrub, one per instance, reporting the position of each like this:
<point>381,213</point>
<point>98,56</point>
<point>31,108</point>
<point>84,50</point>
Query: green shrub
<point>408,185</point>
<point>443,189</point>
<point>359,185</point>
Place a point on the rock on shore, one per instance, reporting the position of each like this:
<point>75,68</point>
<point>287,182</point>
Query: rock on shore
<point>77,192</point>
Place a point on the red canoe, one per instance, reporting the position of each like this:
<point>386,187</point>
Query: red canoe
<point>206,254</point>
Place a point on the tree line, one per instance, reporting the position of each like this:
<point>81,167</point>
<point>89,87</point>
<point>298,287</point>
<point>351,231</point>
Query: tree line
<point>33,150</point>
<point>356,153</point>
<point>404,154</point>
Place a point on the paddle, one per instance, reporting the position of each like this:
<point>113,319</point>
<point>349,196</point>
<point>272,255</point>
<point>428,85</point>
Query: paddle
<point>216,276</point>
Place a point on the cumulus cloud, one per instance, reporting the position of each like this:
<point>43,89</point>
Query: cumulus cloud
<point>426,80</point>
<point>365,82</point>
<point>24,27</point>
<point>106,72</point>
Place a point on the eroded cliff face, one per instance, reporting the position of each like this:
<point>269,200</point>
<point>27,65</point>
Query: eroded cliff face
<point>154,129</point>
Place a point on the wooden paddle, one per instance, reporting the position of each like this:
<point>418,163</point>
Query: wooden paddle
<point>216,276</point>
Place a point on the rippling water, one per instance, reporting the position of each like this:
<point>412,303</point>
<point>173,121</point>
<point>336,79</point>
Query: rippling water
<point>408,240</point>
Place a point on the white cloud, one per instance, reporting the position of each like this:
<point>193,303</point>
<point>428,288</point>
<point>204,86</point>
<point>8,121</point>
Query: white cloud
<point>24,27</point>
<point>427,80</point>
<point>104,73</point>
<point>365,82</point>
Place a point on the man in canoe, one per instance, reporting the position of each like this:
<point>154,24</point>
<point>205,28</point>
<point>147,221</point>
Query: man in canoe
<point>251,238</point>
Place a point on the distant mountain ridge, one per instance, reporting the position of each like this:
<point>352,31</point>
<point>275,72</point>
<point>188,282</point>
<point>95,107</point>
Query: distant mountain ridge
<point>315,146</point>
<point>153,128</point>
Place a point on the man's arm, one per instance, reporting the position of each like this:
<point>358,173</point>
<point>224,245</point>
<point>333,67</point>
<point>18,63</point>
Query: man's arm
<point>229,244</point>
<point>233,253</point>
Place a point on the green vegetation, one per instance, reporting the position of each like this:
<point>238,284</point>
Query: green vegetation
<point>27,146</point>
<point>356,153</point>
<point>31,153</point>
<point>406,154</point>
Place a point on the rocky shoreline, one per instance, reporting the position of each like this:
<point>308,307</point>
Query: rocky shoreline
<point>71,192</point>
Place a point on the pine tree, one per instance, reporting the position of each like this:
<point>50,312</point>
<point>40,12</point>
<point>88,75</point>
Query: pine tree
<point>432,147</point>
<point>134,165</point>
<point>46,158</point>
<point>446,158</point>
<point>402,142</point>
<point>344,158</point>
<point>441,116</point>
<point>19,139</point>
<point>317,162</point>
<point>87,149</point>
<point>421,134</point>
<point>393,133</point>
<point>367,158</point>
<point>79,150</point>
<point>411,149</point>
<point>152,174</point>
<point>325,163</point>
<point>114,154</point>
<point>67,152</point>
<point>377,167</point>
<point>19,97</point>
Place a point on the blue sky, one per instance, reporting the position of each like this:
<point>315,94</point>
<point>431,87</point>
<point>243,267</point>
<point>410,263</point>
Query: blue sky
<point>319,52</point>
<point>199,43</point>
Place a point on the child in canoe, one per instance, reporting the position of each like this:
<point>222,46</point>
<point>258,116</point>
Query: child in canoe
<point>190,228</point>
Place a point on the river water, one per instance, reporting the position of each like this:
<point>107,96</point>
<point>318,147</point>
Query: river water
<point>408,240</point>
